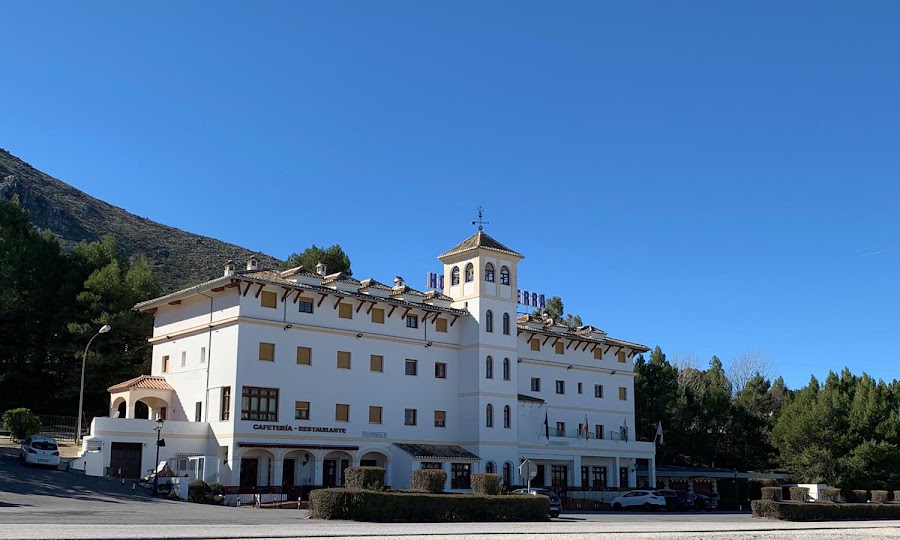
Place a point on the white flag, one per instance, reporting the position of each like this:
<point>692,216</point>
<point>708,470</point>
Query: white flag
<point>659,432</point>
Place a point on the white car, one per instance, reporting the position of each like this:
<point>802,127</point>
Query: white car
<point>39,450</point>
<point>648,500</point>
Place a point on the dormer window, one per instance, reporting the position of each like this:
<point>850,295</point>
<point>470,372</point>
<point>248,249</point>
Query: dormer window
<point>504,275</point>
<point>454,276</point>
<point>470,272</point>
<point>489,273</point>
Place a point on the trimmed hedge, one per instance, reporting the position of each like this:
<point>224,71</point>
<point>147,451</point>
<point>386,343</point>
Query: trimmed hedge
<point>365,478</point>
<point>771,493</point>
<point>879,496</point>
<point>21,423</point>
<point>395,506</point>
<point>428,480</point>
<point>486,483</point>
<point>856,496</point>
<point>799,494</point>
<point>823,511</point>
<point>199,492</point>
<point>897,496</point>
<point>829,494</point>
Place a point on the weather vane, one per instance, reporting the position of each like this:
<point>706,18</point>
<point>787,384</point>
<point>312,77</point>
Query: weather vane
<point>480,222</point>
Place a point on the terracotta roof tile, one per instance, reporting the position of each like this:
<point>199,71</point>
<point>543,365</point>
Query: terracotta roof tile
<point>147,382</point>
<point>480,240</point>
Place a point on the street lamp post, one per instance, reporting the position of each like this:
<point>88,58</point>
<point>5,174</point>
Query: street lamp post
<point>106,328</point>
<point>159,425</point>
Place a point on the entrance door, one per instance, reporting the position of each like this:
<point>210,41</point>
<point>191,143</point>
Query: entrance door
<point>125,460</point>
<point>539,478</point>
<point>559,475</point>
<point>585,476</point>
<point>249,472</point>
<point>329,473</point>
<point>288,473</point>
<point>623,477</point>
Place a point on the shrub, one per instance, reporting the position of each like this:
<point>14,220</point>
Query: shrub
<point>216,488</point>
<point>486,483</point>
<point>21,423</point>
<point>384,506</point>
<point>897,496</point>
<point>799,494</point>
<point>755,486</point>
<point>428,480</point>
<point>365,478</point>
<point>199,492</point>
<point>856,496</point>
<point>879,496</point>
<point>771,493</point>
<point>824,511</point>
<point>829,494</point>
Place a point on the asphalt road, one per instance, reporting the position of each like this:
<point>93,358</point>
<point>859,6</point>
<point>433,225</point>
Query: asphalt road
<point>50,504</point>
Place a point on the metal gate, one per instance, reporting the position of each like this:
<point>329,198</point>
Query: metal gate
<point>127,458</point>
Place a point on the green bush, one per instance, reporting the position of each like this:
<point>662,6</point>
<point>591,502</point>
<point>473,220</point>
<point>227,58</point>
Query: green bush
<point>486,483</point>
<point>824,511</point>
<point>799,494</point>
<point>21,423</point>
<point>365,478</point>
<point>829,494</point>
<point>428,480</point>
<point>386,506</point>
<point>879,496</point>
<point>856,496</point>
<point>770,493</point>
<point>216,488</point>
<point>199,492</point>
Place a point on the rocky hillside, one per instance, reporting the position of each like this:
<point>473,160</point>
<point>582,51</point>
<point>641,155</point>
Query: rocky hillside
<point>178,257</point>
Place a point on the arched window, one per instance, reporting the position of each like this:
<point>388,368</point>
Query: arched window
<point>507,416</point>
<point>489,368</point>
<point>454,276</point>
<point>489,416</point>
<point>504,275</point>
<point>506,324</point>
<point>470,272</point>
<point>489,321</point>
<point>507,473</point>
<point>490,467</point>
<point>506,369</point>
<point>489,273</point>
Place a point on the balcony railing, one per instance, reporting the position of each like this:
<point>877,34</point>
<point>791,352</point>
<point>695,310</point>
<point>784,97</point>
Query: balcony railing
<point>611,435</point>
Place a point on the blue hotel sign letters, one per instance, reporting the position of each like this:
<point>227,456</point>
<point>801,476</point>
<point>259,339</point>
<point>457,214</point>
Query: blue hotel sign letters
<point>524,298</point>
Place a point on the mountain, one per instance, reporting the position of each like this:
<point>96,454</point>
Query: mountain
<point>179,258</point>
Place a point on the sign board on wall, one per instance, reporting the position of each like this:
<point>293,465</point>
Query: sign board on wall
<point>435,281</point>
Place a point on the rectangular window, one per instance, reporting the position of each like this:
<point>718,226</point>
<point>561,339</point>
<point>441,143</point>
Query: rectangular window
<point>598,477</point>
<point>266,351</point>
<point>598,431</point>
<point>440,418</point>
<point>342,412</point>
<point>305,305</point>
<point>535,344</point>
<point>183,358</point>
<point>560,429</point>
<point>623,393</point>
<point>345,311</point>
<point>460,476</point>
<point>621,356</point>
<point>301,410</point>
<point>440,370</point>
<point>268,299</point>
<point>560,387</point>
<point>374,414</point>
<point>165,364</point>
<point>535,384</point>
<point>343,360</point>
<point>579,388</point>
<point>198,411</point>
<point>412,367</point>
<point>412,321</point>
<point>376,363</point>
<point>559,475</point>
<point>440,325</point>
<point>202,355</point>
<point>226,403</point>
<point>259,404</point>
<point>304,356</point>
<point>377,316</point>
<point>433,465</point>
<point>598,390</point>
<point>598,352</point>
<point>409,417</point>
<point>558,347</point>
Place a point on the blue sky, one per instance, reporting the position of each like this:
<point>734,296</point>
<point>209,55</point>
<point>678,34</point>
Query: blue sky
<point>711,177</point>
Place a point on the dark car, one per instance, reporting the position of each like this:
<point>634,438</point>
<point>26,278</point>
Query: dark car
<point>702,502</point>
<point>555,503</point>
<point>677,499</point>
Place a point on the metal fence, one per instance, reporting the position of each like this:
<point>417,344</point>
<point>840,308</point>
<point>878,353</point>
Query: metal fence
<point>61,427</point>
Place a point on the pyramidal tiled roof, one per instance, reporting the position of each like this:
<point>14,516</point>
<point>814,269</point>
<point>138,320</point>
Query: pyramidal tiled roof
<point>148,382</point>
<point>480,240</point>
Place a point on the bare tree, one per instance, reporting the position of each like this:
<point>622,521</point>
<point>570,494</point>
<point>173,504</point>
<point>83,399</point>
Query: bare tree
<point>689,374</point>
<point>745,366</point>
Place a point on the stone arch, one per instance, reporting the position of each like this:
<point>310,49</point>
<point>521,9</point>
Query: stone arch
<point>256,467</point>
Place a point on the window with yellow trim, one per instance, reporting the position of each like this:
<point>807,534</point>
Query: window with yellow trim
<point>558,347</point>
<point>345,311</point>
<point>374,414</point>
<point>535,344</point>
<point>440,325</point>
<point>301,410</point>
<point>376,363</point>
<point>377,316</point>
<point>268,299</point>
<point>266,351</point>
<point>621,356</point>
<point>304,356</point>
<point>623,393</point>
<point>598,352</point>
<point>343,360</point>
<point>342,412</point>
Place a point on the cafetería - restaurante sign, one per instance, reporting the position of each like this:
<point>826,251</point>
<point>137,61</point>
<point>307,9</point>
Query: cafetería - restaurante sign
<point>314,429</point>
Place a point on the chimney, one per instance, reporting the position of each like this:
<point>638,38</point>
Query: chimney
<point>398,282</point>
<point>253,263</point>
<point>321,269</point>
<point>229,268</point>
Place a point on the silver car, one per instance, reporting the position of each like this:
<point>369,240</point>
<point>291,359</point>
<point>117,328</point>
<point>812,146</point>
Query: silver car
<point>39,450</point>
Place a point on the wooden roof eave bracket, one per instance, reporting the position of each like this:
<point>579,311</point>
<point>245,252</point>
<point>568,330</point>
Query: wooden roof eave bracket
<point>324,296</point>
<point>571,341</point>
<point>361,304</point>
<point>286,293</point>
<point>607,349</point>
<point>454,320</point>
<point>406,313</point>
<point>336,304</point>
<point>392,311</point>
<point>548,338</point>
<point>373,304</point>
<point>297,296</point>
<point>247,288</point>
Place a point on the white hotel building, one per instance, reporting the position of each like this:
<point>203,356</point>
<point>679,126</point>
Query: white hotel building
<point>285,378</point>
